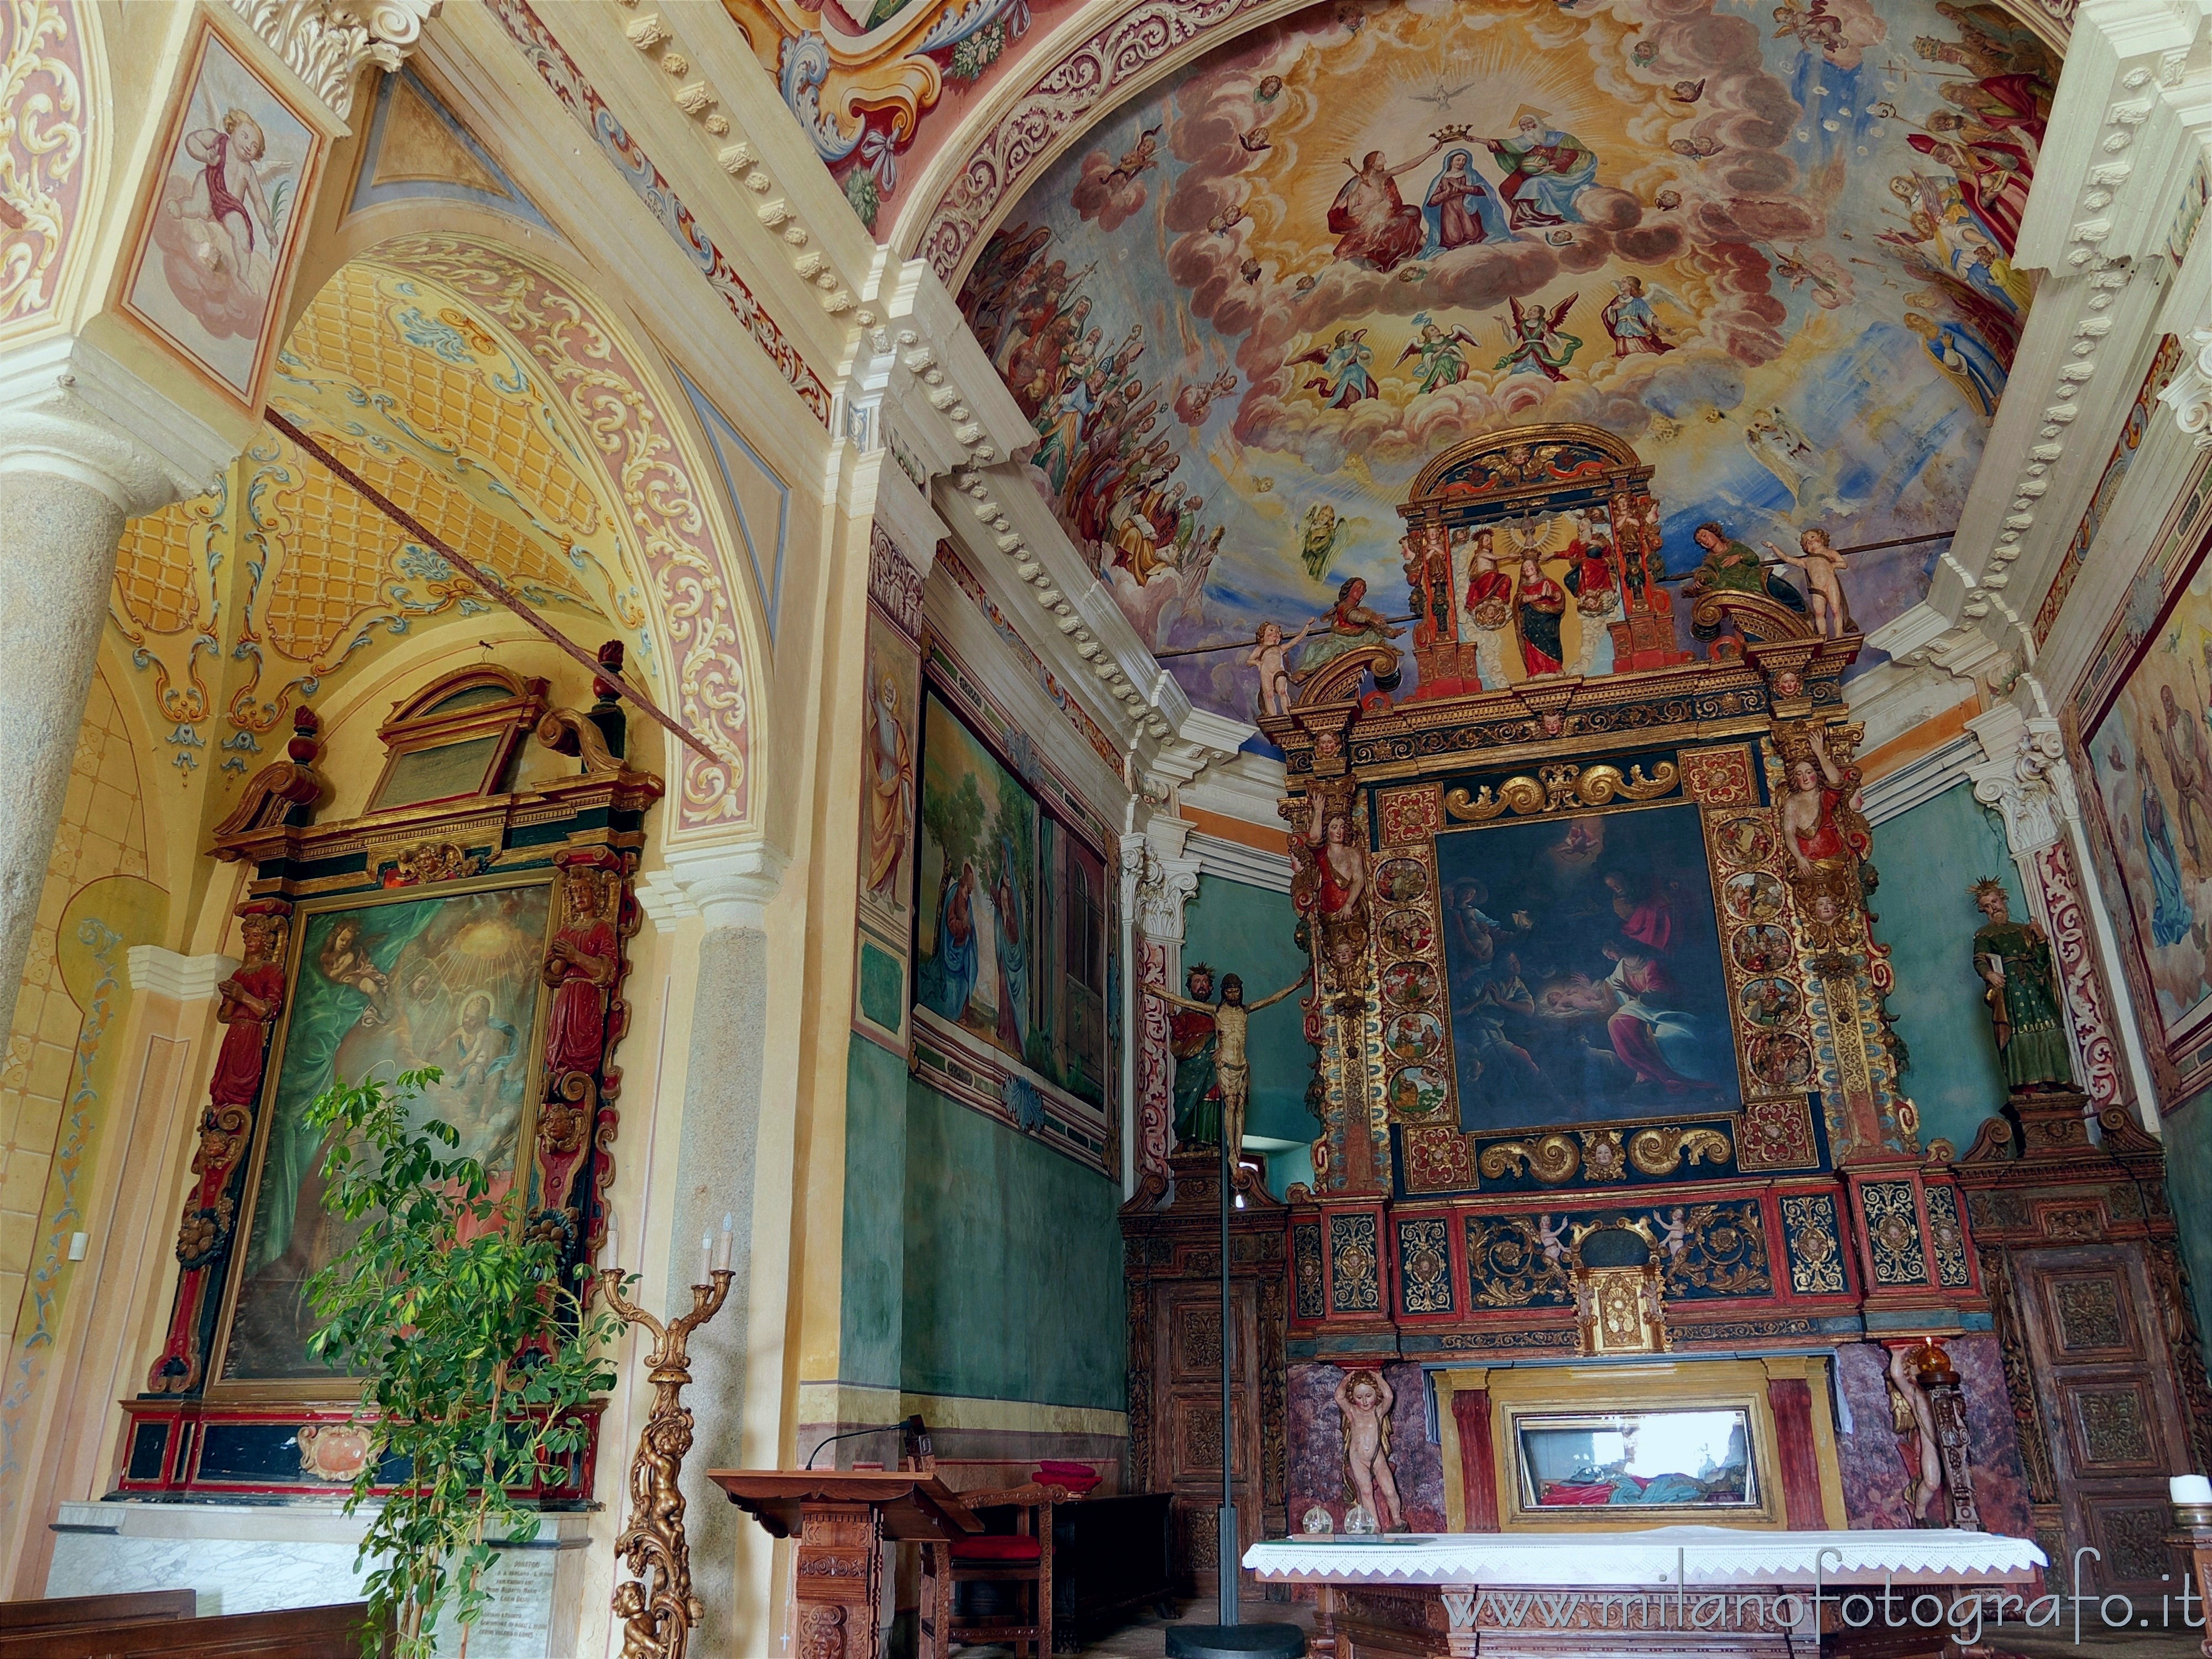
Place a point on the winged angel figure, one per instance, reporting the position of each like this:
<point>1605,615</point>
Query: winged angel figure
<point>1442,361</point>
<point>1536,340</point>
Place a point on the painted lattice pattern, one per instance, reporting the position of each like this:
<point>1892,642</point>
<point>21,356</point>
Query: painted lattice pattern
<point>155,563</point>
<point>437,361</point>
<point>339,550</point>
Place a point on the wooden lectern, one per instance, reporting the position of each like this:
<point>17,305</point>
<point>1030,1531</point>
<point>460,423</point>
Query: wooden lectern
<point>841,1518</point>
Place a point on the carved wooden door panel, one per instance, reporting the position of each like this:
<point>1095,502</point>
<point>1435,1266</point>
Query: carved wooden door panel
<point>1186,1423</point>
<point>2104,1390</point>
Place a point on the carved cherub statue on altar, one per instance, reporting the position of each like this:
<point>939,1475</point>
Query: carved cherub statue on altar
<point>1270,655</point>
<point>1363,1400</point>
<point>1823,565</point>
<point>2021,989</point>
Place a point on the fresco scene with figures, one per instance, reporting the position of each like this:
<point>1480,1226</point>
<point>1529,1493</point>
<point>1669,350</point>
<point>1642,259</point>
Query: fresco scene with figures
<point>1775,254</point>
<point>2152,759</point>
<point>988,828</point>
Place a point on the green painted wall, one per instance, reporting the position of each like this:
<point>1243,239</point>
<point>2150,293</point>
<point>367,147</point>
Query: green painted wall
<point>875,1186</point>
<point>1251,931</point>
<point>1013,1262</point>
<point>2188,1133</point>
<point>1928,857</point>
<point>977,1262</point>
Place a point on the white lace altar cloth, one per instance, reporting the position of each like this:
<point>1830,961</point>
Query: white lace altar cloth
<point>1660,1557</point>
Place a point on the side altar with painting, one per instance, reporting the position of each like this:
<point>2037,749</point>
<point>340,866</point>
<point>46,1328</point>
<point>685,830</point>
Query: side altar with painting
<point>475,916</point>
<point>1622,1214</point>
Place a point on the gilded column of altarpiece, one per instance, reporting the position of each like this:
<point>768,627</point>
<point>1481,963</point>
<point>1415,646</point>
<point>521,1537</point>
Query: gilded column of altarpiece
<point>461,921</point>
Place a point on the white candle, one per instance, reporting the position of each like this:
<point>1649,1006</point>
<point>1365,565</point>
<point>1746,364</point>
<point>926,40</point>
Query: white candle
<point>610,1246</point>
<point>722,1250</point>
<point>705,1257</point>
<point>2190,1489</point>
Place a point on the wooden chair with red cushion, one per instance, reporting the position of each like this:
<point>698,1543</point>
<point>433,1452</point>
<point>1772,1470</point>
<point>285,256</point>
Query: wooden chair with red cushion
<point>1017,1558</point>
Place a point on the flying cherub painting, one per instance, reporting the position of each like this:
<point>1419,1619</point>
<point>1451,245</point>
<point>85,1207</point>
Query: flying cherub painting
<point>218,238</point>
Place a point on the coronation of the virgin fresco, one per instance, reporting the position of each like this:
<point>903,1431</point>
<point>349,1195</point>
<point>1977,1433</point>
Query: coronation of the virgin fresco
<point>1768,245</point>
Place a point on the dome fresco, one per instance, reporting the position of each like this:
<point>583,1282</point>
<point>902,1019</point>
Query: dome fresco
<point>1768,247</point>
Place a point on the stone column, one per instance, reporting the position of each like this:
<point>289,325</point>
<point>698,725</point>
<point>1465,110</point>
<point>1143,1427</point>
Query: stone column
<point>2024,774</point>
<point>728,887</point>
<point>82,447</point>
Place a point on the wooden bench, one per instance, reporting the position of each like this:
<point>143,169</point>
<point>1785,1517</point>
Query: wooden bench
<point>61,1612</point>
<point>331,1633</point>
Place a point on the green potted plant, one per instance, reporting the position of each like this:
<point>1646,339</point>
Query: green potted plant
<point>477,1351</point>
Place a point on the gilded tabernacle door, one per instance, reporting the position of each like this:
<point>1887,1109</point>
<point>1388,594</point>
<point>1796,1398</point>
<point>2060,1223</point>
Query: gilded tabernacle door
<point>462,923</point>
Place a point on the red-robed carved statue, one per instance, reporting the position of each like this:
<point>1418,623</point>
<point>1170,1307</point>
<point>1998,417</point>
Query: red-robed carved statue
<point>580,965</point>
<point>250,1000</point>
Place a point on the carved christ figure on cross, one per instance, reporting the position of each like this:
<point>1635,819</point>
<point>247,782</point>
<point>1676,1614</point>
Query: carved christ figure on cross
<point>1232,1069</point>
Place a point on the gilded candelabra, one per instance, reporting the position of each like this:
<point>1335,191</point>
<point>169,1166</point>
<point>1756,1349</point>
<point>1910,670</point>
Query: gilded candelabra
<point>655,1604</point>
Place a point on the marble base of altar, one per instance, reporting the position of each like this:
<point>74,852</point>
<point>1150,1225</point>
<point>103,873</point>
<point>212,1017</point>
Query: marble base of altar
<point>1681,1592</point>
<point>265,1557</point>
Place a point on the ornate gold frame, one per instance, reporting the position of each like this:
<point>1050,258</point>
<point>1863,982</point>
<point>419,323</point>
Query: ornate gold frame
<point>1563,792</point>
<point>1618,1385</point>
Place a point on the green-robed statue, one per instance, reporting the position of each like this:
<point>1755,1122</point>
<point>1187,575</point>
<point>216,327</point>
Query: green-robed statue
<point>2022,988</point>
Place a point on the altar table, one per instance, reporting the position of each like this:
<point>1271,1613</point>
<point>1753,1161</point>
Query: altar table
<point>1684,1592</point>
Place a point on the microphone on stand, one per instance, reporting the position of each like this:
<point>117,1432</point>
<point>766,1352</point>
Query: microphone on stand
<point>917,1434</point>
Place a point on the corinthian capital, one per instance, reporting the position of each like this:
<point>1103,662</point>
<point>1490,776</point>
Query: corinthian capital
<point>1157,888</point>
<point>2025,775</point>
<point>326,43</point>
<point>2189,393</point>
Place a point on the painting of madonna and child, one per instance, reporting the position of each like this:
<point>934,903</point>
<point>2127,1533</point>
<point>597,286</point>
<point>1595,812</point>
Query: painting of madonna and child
<point>1583,959</point>
<point>391,986</point>
<point>1011,924</point>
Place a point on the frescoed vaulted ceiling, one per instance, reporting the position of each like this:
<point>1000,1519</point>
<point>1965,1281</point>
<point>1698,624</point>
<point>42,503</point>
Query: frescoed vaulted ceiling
<point>879,85</point>
<point>237,604</point>
<point>1767,245</point>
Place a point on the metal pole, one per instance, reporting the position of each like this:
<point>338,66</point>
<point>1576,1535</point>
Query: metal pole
<point>489,583</point>
<point>1229,1552</point>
